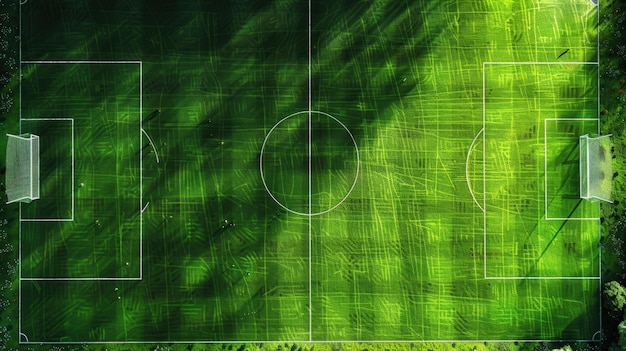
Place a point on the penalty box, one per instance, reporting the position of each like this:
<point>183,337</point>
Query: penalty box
<point>535,224</point>
<point>87,225</point>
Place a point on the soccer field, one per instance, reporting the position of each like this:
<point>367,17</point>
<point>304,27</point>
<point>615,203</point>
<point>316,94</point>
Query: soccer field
<point>299,170</point>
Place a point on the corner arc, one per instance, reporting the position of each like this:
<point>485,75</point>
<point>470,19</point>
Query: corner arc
<point>22,335</point>
<point>598,333</point>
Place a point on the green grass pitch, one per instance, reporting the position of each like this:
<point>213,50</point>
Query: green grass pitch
<point>188,194</point>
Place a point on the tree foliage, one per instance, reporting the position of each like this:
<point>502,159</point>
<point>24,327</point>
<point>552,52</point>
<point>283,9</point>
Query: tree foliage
<point>615,295</point>
<point>622,334</point>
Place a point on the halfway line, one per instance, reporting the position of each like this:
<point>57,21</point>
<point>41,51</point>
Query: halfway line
<point>310,190</point>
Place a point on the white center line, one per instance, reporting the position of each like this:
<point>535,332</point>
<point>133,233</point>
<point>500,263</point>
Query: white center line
<point>310,192</point>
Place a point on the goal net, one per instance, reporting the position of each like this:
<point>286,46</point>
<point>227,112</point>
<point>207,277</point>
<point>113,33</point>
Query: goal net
<point>22,168</point>
<point>596,168</point>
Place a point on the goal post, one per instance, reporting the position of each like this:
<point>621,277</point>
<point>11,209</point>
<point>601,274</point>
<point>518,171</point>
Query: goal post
<point>596,168</point>
<point>22,168</point>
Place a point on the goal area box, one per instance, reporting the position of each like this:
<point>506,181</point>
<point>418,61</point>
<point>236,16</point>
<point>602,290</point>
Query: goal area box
<point>563,176</point>
<point>89,216</point>
<point>536,226</point>
<point>57,161</point>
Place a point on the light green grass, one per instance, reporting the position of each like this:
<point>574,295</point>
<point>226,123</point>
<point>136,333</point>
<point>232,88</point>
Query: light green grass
<point>520,102</point>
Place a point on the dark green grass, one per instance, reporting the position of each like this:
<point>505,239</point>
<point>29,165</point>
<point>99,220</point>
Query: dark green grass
<point>402,257</point>
<point>55,165</point>
<point>103,239</point>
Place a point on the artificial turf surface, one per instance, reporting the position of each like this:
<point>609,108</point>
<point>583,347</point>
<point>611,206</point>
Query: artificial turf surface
<point>401,255</point>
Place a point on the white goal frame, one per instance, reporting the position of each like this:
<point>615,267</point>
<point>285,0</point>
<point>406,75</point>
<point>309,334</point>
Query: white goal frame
<point>587,167</point>
<point>33,157</point>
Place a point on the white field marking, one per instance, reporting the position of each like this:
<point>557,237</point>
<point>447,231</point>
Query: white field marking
<point>300,341</point>
<point>140,63</point>
<point>573,219</point>
<point>152,144</point>
<point>580,166</point>
<point>19,225</point>
<point>82,62</point>
<point>545,193</point>
<point>571,119</point>
<point>545,168</point>
<point>146,206</point>
<point>24,336</point>
<point>71,219</point>
<point>46,219</point>
<point>596,333</point>
<point>540,63</point>
<point>80,278</point>
<point>484,181</point>
<point>599,224</point>
<point>31,165</point>
<point>588,168</point>
<point>467,178</point>
<point>598,59</point>
<point>49,119</point>
<point>141,170</point>
<point>20,54</point>
<point>600,270</point>
<point>39,167</point>
<point>544,278</point>
<point>73,171</point>
<point>310,184</point>
<point>19,268</point>
<point>356,176</point>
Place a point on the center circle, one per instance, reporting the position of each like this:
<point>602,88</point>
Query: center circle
<point>309,163</point>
